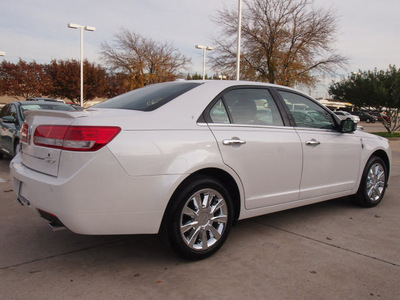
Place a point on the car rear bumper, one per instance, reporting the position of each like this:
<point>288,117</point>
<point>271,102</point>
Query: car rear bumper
<point>94,201</point>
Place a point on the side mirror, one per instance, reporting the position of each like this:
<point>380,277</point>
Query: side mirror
<point>347,126</point>
<point>8,119</point>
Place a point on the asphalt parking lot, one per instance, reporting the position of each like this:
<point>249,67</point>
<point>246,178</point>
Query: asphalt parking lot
<point>331,250</point>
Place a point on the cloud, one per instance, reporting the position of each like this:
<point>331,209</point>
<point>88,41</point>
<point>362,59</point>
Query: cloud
<point>37,29</point>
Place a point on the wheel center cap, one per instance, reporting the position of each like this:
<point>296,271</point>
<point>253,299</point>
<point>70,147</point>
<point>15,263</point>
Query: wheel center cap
<point>203,219</point>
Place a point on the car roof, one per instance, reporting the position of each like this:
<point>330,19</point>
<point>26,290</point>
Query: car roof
<point>44,104</point>
<point>44,99</point>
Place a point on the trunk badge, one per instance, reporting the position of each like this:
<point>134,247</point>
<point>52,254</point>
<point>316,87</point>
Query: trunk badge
<point>49,160</point>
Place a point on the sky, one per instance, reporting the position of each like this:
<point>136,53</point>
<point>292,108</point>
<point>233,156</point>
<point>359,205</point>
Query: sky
<point>368,30</point>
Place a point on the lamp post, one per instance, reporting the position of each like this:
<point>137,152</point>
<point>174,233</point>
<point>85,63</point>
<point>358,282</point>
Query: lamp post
<point>81,27</point>
<point>2,53</point>
<point>239,34</point>
<point>205,48</point>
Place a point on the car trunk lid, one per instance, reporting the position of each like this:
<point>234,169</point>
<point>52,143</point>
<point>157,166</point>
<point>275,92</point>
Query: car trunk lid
<point>43,159</point>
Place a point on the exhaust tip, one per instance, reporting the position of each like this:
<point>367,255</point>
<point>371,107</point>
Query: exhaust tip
<point>57,226</point>
<point>54,222</point>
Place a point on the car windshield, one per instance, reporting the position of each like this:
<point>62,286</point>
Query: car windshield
<point>44,106</point>
<point>150,97</point>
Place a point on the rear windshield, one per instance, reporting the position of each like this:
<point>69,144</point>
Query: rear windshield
<point>150,97</point>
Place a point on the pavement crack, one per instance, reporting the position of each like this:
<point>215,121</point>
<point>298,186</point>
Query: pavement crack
<point>57,255</point>
<point>328,244</point>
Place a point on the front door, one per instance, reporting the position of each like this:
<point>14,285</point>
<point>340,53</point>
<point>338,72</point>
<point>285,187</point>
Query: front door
<point>326,170</point>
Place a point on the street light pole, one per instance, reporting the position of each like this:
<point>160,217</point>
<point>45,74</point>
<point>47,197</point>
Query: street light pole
<point>239,34</point>
<point>205,48</point>
<point>81,27</point>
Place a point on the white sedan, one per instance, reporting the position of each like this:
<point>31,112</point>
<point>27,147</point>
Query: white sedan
<point>187,159</point>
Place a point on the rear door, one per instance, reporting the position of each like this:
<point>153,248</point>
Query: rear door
<point>266,155</point>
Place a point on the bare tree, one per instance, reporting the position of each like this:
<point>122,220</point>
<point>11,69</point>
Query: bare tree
<point>143,59</point>
<point>286,42</point>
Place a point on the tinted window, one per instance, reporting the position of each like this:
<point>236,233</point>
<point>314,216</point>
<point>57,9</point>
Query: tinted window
<point>218,113</point>
<point>306,112</point>
<point>150,97</point>
<point>5,110</point>
<point>247,106</point>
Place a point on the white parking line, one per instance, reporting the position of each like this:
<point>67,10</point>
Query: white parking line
<point>2,180</point>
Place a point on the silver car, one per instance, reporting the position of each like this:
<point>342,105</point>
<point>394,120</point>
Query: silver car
<point>12,116</point>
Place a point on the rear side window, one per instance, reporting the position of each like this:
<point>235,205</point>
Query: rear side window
<point>150,97</point>
<point>218,113</point>
<point>247,106</point>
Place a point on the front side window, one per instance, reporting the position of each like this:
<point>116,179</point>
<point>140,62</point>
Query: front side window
<point>248,106</point>
<point>306,113</point>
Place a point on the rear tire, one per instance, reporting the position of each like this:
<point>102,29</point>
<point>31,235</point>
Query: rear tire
<point>373,183</point>
<point>200,218</point>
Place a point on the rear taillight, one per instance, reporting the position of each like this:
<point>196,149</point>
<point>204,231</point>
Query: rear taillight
<point>74,138</point>
<point>24,133</point>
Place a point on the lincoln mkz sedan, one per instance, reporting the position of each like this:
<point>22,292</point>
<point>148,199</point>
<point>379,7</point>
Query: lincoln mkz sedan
<point>187,159</point>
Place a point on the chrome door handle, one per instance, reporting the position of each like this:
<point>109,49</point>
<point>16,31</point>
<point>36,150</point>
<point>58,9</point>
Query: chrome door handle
<point>233,141</point>
<point>312,142</point>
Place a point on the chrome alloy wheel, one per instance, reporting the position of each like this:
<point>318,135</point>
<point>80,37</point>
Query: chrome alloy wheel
<point>203,219</point>
<point>375,182</point>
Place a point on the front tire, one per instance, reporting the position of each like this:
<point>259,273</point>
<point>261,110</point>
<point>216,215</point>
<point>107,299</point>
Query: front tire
<point>373,183</point>
<point>200,218</point>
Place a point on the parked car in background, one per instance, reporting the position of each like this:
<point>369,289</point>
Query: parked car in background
<point>186,159</point>
<point>364,116</point>
<point>383,116</point>
<point>75,105</point>
<point>44,99</point>
<point>380,116</point>
<point>346,115</point>
<point>12,116</point>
